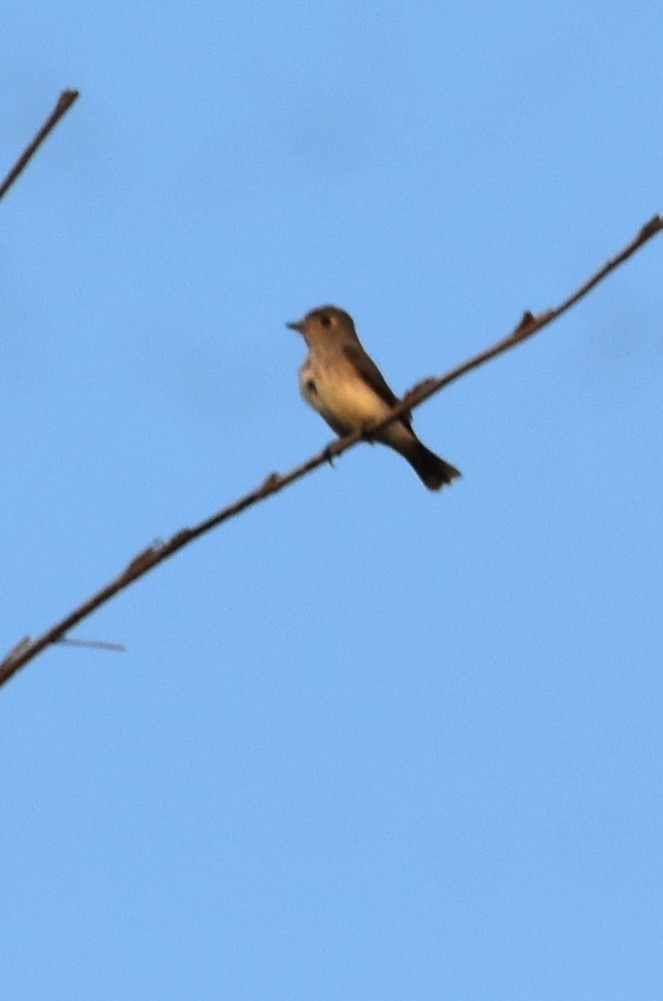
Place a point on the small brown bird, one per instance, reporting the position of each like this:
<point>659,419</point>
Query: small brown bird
<point>346,387</point>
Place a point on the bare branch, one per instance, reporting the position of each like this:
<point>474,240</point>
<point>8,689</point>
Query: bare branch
<point>528,326</point>
<point>159,551</point>
<point>65,101</point>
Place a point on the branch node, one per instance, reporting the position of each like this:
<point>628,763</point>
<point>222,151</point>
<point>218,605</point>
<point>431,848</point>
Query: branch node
<point>526,319</point>
<point>420,387</point>
<point>330,454</point>
<point>144,558</point>
<point>176,541</point>
<point>270,481</point>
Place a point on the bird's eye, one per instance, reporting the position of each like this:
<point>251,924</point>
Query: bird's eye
<point>325,320</point>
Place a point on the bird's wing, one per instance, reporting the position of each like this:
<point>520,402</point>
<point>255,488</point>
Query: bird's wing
<point>371,374</point>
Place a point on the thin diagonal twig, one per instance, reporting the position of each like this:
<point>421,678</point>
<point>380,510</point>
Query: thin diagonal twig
<point>149,558</point>
<point>65,101</point>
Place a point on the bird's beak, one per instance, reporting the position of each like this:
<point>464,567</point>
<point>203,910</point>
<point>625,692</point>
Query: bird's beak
<point>297,325</point>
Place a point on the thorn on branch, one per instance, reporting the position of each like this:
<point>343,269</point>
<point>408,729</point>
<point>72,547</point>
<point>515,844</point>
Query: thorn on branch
<point>419,387</point>
<point>270,481</point>
<point>526,320</point>
<point>144,558</point>
<point>176,541</point>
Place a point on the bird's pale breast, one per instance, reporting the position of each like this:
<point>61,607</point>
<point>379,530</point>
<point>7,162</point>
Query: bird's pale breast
<point>338,393</point>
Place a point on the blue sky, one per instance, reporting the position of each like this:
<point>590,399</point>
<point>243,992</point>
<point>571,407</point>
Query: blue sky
<point>366,741</point>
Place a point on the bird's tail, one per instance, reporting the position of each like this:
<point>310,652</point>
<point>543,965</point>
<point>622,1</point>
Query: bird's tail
<point>433,471</point>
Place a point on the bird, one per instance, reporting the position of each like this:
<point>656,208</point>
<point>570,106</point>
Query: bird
<point>345,386</point>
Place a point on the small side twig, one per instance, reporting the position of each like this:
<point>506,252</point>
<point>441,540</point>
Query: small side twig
<point>93,644</point>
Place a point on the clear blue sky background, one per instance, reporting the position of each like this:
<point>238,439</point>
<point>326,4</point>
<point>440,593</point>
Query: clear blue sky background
<point>366,742</point>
